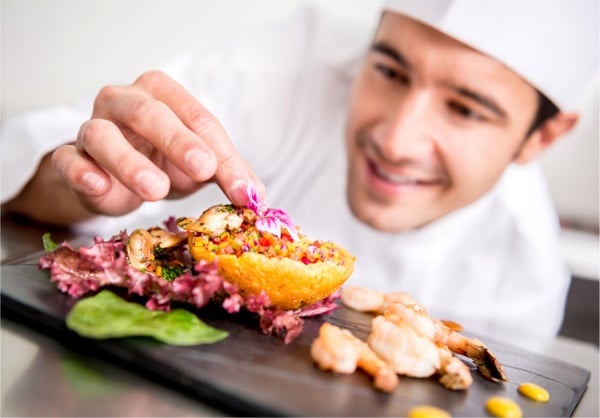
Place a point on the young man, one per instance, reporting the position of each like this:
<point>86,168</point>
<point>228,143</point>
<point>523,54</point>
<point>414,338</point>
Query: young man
<point>435,194</point>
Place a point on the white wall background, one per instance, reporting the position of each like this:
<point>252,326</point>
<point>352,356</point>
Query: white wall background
<point>53,51</point>
<point>56,51</point>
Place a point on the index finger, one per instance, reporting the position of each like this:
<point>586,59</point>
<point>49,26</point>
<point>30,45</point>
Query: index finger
<point>233,173</point>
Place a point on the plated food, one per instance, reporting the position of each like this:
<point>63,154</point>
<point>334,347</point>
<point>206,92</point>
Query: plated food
<point>405,339</point>
<point>292,269</point>
<point>249,258</point>
<point>255,258</point>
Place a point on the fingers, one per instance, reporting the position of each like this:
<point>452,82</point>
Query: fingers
<point>156,122</point>
<point>188,110</point>
<point>105,144</point>
<point>81,174</point>
<point>232,173</point>
<point>95,189</point>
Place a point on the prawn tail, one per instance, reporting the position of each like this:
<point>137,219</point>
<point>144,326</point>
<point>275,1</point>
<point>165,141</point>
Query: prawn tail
<point>489,366</point>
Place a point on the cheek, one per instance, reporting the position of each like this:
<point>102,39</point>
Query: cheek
<point>360,114</point>
<point>474,164</point>
<point>359,105</point>
<point>367,99</point>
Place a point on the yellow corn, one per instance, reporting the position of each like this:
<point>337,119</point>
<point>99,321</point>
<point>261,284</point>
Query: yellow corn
<point>533,391</point>
<point>426,411</point>
<point>503,407</point>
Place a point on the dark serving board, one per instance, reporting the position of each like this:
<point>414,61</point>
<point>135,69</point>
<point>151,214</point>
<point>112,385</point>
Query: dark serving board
<point>250,373</point>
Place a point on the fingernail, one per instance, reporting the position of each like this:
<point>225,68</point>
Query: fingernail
<point>239,192</point>
<point>93,181</point>
<point>149,184</point>
<point>197,163</point>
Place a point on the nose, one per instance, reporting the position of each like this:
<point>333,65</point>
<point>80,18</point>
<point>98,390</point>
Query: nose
<point>406,131</point>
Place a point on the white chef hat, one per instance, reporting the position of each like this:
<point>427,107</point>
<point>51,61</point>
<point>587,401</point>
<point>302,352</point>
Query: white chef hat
<point>553,44</point>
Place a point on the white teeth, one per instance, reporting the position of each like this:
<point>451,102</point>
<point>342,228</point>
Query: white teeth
<point>394,178</point>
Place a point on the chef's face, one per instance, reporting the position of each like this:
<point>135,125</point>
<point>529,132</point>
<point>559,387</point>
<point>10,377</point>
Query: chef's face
<point>432,125</point>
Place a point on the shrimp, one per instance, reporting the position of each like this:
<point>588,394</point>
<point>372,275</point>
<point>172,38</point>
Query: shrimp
<point>485,360</point>
<point>454,374</point>
<point>398,297</point>
<point>412,354</point>
<point>362,299</point>
<point>367,300</point>
<point>402,347</point>
<point>443,334</point>
<point>336,349</point>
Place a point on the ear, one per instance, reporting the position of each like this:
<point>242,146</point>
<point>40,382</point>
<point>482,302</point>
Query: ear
<point>545,135</point>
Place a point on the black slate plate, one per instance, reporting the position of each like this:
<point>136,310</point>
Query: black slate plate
<point>250,373</point>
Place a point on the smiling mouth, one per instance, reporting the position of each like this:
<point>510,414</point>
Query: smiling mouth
<point>402,172</point>
<point>392,177</point>
<point>399,179</point>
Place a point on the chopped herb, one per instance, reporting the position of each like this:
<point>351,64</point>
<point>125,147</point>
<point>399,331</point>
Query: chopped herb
<point>49,245</point>
<point>223,208</point>
<point>171,272</point>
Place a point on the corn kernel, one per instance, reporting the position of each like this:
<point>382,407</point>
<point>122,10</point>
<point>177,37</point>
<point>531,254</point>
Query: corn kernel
<point>533,391</point>
<point>503,407</point>
<point>426,411</point>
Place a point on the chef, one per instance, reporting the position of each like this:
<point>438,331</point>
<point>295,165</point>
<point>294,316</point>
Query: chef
<point>413,145</point>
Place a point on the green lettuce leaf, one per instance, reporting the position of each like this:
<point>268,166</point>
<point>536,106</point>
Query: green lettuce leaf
<point>106,315</point>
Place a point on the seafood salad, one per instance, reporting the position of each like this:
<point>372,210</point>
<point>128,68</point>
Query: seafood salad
<point>250,258</point>
<point>261,250</point>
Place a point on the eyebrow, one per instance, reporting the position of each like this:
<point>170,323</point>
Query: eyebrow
<point>392,53</point>
<point>483,100</point>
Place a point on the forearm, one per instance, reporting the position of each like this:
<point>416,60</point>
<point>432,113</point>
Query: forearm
<point>46,198</point>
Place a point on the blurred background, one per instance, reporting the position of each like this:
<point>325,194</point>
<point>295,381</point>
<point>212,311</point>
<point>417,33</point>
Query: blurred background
<point>54,52</point>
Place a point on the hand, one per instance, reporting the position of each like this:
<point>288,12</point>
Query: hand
<point>148,141</point>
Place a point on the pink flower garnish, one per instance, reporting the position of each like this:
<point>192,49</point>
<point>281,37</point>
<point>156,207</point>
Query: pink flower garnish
<point>270,220</point>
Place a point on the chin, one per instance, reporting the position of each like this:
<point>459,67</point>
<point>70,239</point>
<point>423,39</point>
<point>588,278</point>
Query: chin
<point>382,217</point>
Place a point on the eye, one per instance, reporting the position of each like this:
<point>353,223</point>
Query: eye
<point>465,111</point>
<point>391,73</point>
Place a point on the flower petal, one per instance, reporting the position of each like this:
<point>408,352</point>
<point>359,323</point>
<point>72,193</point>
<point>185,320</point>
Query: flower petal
<point>285,220</point>
<point>253,202</point>
<point>269,224</point>
<point>269,220</point>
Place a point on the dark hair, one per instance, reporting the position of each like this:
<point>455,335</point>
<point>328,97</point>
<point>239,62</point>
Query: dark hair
<point>545,110</point>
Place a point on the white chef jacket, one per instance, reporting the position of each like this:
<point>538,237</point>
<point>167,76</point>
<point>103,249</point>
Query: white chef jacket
<point>281,93</point>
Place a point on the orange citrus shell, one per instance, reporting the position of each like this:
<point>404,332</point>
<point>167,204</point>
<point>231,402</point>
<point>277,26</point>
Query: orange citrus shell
<point>290,284</point>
